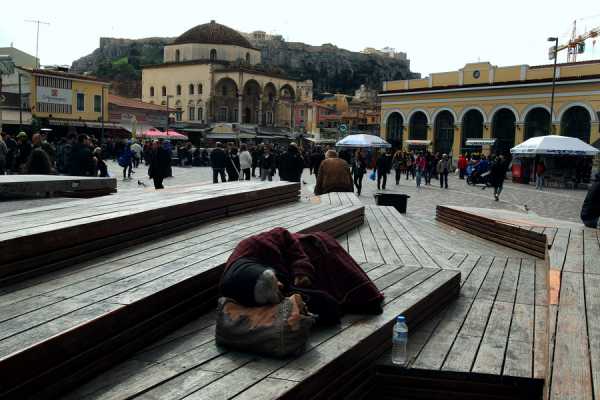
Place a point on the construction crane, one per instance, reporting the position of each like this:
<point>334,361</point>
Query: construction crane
<point>576,44</point>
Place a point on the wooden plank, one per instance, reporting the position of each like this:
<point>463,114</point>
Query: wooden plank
<point>526,286</point>
<point>508,286</point>
<point>558,251</point>
<point>592,302</point>
<point>355,246</point>
<point>591,251</point>
<point>574,257</point>
<point>519,353</point>
<point>571,376</point>
<point>476,277</point>
<point>540,343</point>
<point>490,355</point>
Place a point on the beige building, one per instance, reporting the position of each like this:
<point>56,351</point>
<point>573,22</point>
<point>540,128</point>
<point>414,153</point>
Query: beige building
<point>212,75</point>
<point>508,104</point>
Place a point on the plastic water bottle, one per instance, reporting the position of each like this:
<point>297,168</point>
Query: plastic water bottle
<point>400,341</point>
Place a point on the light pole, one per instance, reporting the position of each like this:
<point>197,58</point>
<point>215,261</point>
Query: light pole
<point>555,40</point>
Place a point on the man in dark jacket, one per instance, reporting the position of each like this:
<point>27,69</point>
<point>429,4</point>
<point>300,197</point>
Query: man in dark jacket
<point>218,162</point>
<point>590,211</point>
<point>82,160</point>
<point>314,265</point>
<point>160,160</point>
<point>315,160</point>
<point>291,164</point>
<point>497,174</point>
<point>383,166</point>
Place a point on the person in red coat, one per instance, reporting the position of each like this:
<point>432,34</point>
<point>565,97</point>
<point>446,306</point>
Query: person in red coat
<point>462,166</point>
<point>277,263</point>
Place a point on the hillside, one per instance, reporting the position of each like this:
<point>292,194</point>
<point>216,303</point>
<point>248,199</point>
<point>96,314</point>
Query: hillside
<point>331,69</point>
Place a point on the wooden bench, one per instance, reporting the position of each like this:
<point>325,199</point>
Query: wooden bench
<point>38,240</point>
<point>65,326</point>
<point>55,185</point>
<point>188,364</point>
<point>516,237</point>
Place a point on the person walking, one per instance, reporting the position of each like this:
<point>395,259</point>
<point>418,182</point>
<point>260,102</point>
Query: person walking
<point>291,164</point>
<point>257,153</point>
<point>443,168</point>
<point>410,165</point>
<point>497,175</point>
<point>160,161</point>
<point>359,169</point>
<point>397,165</point>
<point>23,151</point>
<point>462,166</point>
<point>383,166</point>
<point>420,165</point>
<point>246,162</point>
<point>233,165</point>
<point>540,170</point>
<point>334,175</point>
<point>267,164</point>
<point>590,210</point>
<point>126,160</point>
<point>218,163</point>
<point>136,150</point>
<point>101,168</point>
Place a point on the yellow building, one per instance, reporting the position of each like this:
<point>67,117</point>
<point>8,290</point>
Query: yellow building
<point>64,98</point>
<point>212,75</point>
<point>508,104</point>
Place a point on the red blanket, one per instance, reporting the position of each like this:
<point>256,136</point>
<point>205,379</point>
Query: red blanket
<point>318,256</point>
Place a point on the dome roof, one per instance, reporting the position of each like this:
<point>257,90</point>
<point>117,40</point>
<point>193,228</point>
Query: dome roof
<point>213,33</point>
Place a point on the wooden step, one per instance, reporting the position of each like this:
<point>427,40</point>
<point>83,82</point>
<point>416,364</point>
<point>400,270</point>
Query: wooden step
<point>68,325</point>
<point>55,185</point>
<point>527,241</point>
<point>42,239</point>
<point>189,365</point>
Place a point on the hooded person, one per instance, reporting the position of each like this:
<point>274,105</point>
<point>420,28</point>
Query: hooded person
<point>265,267</point>
<point>590,210</point>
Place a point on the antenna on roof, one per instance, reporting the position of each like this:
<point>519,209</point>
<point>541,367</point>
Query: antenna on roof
<point>37,40</point>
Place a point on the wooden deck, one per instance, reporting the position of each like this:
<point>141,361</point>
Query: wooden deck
<point>62,326</point>
<point>44,238</point>
<point>521,327</point>
<point>187,364</point>
<point>55,185</point>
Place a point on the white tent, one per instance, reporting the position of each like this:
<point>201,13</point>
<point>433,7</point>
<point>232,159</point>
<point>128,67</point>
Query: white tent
<point>362,140</point>
<point>554,145</point>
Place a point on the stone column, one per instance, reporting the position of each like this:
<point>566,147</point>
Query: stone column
<point>240,105</point>
<point>430,135</point>
<point>275,107</point>
<point>519,133</point>
<point>260,117</point>
<point>595,134</point>
<point>456,143</point>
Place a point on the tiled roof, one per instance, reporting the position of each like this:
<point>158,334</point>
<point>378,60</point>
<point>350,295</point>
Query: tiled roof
<point>135,103</point>
<point>213,33</point>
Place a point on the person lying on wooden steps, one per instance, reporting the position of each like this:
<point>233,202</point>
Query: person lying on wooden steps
<point>265,268</point>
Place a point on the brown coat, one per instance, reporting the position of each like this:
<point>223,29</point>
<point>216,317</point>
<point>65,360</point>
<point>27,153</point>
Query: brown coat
<point>334,176</point>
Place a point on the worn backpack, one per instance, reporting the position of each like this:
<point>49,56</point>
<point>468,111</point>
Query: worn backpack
<point>275,330</point>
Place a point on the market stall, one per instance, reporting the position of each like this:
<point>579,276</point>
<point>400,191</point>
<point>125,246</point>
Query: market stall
<point>567,161</point>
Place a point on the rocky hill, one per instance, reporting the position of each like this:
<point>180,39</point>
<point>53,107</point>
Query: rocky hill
<point>331,69</point>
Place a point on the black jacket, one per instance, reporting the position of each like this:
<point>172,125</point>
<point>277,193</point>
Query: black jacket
<point>160,161</point>
<point>267,161</point>
<point>591,205</point>
<point>218,158</point>
<point>359,167</point>
<point>497,173</point>
<point>384,164</point>
<point>291,165</point>
<point>81,161</point>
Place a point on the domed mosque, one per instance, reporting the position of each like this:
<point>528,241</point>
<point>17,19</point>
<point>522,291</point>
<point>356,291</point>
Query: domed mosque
<point>210,76</point>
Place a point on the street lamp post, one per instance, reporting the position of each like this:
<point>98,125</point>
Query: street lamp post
<point>555,40</point>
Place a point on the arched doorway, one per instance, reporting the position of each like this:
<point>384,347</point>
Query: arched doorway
<point>472,128</point>
<point>537,123</point>
<point>395,129</point>
<point>225,100</point>
<point>503,130</point>
<point>418,126</point>
<point>251,99</point>
<point>268,106</point>
<point>444,132</point>
<point>576,122</point>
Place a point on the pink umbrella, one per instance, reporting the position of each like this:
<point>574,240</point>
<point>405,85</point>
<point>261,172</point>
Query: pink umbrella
<point>154,133</point>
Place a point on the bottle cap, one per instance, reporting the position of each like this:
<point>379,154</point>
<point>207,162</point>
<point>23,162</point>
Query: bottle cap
<point>400,318</point>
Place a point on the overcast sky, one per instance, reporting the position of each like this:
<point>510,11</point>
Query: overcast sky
<point>437,35</point>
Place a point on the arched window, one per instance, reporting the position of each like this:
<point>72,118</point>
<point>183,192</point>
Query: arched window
<point>191,113</point>
<point>151,91</point>
<point>177,55</point>
<point>199,88</point>
<point>178,90</point>
<point>164,91</point>
<point>191,88</point>
<point>199,113</point>
<point>247,58</point>
<point>213,54</point>
<point>224,90</point>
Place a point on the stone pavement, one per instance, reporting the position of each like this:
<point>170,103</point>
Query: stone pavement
<point>554,203</point>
